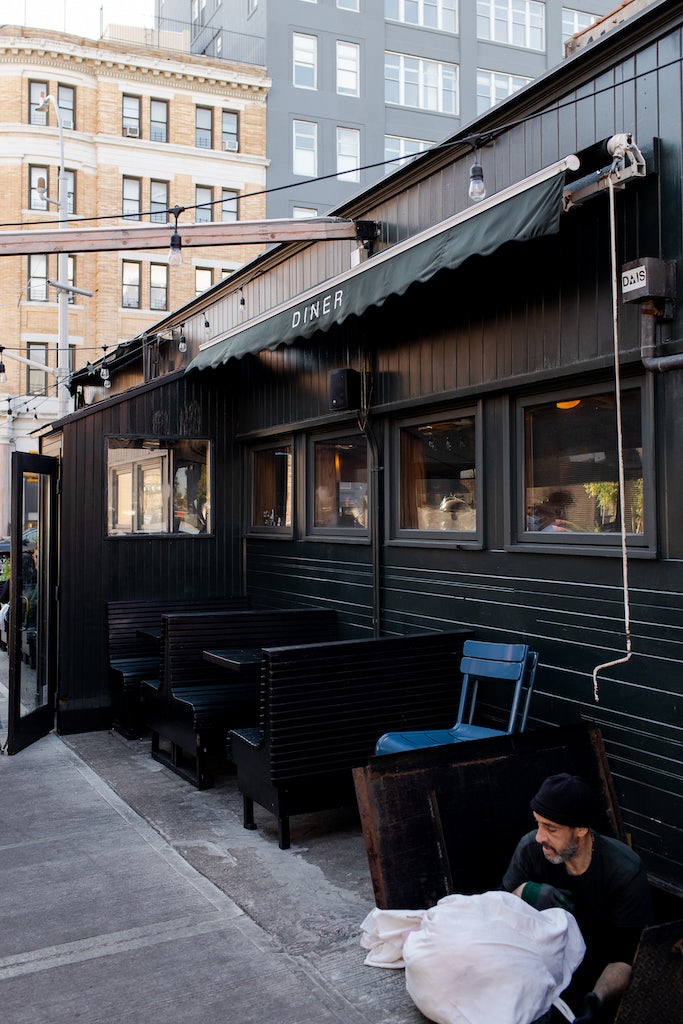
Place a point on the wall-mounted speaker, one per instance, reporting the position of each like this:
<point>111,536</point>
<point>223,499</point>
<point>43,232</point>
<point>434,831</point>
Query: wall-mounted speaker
<point>343,390</point>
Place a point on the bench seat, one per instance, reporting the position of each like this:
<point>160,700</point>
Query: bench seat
<point>322,709</point>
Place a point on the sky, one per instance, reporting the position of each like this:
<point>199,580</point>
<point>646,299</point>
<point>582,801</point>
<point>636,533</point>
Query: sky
<point>80,17</point>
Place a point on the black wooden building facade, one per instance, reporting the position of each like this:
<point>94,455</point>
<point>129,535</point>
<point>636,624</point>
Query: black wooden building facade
<point>421,505</point>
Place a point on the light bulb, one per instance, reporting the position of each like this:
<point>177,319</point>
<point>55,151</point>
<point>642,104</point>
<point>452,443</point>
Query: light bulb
<point>477,189</point>
<point>182,344</point>
<point>175,252</point>
<point>106,382</point>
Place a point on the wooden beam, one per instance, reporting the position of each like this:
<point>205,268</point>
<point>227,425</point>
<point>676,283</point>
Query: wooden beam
<point>157,236</point>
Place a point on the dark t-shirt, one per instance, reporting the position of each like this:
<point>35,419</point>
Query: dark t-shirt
<point>611,900</point>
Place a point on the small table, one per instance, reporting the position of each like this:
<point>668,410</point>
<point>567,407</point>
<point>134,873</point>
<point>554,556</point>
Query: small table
<point>245,660</point>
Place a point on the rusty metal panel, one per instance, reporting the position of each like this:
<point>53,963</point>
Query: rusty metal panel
<point>447,819</point>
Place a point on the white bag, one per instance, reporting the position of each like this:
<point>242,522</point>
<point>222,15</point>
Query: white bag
<point>480,959</point>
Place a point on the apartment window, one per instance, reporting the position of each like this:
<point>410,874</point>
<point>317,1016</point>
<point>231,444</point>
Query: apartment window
<point>66,101</point>
<point>70,191</point>
<point>36,290</point>
<point>515,22</point>
<point>305,60</point>
<point>158,201</point>
<point>71,277</point>
<point>203,279</point>
<point>437,14</point>
<point>204,127</point>
<point>398,150</point>
<point>340,484</point>
<point>158,121</point>
<point>272,489</point>
<point>305,160</point>
<point>575,21</point>
<point>37,91</point>
<point>569,487</point>
<point>425,84</point>
<point>130,117</point>
<point>132,206</point>
<point>229,136</point>
<point>203,197</point>
<point>39,181</point>
<point>158,486</point>
<point>348,5</point>
<point>218,44</point>
<point>158,286</point>
<point>437,476</point>
<point>494,86</point>
<point>348,154</point>
<point>229,210</point>
<point>130,276</point>
<point>36,380</point>
<point>348,69</point>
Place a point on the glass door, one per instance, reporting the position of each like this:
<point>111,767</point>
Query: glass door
<point>32,614</point>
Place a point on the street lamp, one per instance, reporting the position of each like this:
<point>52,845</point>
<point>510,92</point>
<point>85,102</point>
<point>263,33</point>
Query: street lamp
<point>62,265</point>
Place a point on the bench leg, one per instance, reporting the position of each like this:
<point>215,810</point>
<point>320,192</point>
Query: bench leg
<point>248,813</point>
<point>283,832</point>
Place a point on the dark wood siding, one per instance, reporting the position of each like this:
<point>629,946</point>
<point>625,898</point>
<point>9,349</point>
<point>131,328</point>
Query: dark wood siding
<point>95,569</point>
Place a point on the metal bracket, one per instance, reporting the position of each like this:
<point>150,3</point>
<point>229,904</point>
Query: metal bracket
<point>628,163</point>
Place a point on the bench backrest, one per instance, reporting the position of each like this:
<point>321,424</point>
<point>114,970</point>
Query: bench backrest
<point>186,636</point>
<point>324,706</point>
<point>124,618</point>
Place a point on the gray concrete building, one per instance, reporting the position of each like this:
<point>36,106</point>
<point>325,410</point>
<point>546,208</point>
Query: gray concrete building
<point>360,82</point>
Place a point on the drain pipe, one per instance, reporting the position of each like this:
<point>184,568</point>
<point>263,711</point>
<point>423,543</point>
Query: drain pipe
<point>650,312</point>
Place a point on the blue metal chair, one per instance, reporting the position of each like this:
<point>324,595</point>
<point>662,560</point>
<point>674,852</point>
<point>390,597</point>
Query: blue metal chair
<point>513,665</point>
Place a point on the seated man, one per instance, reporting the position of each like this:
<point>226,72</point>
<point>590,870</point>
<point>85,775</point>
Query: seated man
<point>564,863</point>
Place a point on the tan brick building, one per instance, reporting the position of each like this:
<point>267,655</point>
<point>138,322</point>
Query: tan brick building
<point>143,130</point>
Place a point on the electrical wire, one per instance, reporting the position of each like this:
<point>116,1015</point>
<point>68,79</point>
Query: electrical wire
<point>620,447</point>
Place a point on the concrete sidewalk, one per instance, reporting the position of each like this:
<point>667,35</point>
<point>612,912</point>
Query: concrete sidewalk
<point>127,895</point>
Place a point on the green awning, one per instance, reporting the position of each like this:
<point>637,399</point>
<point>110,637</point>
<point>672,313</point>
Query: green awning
<point>527,210</point>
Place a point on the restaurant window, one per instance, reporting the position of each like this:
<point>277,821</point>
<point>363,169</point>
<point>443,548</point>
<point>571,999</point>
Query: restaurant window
<point>339,498</point>
<point>437,477</point>
<point>570,474</point>
<point>158,486</point>
<point>158,120</point>
<point>37,91</point>
<point>272,488</point>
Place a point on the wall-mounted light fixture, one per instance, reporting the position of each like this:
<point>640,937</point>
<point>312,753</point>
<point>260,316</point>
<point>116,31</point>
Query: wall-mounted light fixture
<point>175,250</point>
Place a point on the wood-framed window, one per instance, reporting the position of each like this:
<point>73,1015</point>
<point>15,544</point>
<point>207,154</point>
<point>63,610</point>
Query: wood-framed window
<point>38,187</point>
<point>158,120</point>
<point>37,91</point>
<point>338,500</point>
<point>436,462</point>
<point>203,197</point>
<point>131,123</point>
<point>131,273</point>
<point>204,127</point>
<point>36,289</point>
<point>132,197</point>
<point>271,488</point>
<point>568,491</point>
<point>66,101</point>
<point>158,286</point>
<point>158,201</point>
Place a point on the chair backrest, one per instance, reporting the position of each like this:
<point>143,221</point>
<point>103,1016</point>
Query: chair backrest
<point>512,664</point>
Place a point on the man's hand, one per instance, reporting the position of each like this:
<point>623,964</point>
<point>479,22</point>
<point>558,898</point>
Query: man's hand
<point>591,1011</point>
<point>543,897</point>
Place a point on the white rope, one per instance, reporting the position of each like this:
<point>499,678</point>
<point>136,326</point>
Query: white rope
<point>620,446</point>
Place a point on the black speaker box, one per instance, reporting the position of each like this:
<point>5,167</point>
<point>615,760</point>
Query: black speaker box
<point>343,390</point>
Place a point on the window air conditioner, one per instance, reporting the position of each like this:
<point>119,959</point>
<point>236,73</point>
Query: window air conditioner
<point>131,131</point>
<point>231,145</point>
<point>67,123</point>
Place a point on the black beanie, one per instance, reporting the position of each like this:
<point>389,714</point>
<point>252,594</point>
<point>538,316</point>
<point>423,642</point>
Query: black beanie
<point>565,799</point>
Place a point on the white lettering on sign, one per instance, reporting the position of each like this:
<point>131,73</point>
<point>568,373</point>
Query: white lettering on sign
<point>318,308</point>
<point>634,278</point>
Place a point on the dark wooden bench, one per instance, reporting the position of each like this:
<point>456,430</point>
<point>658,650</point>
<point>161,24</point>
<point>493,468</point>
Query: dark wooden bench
<point>192,705</point>
<point>132,657</point>
<point>323,708</point>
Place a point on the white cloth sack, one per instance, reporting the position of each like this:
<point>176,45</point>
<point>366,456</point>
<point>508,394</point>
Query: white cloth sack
<point>478,959</point>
